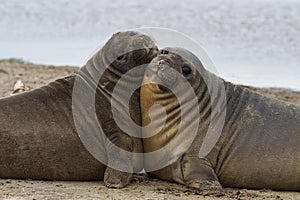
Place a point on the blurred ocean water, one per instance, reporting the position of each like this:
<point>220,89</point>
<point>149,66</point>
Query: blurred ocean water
<point>251,42</point>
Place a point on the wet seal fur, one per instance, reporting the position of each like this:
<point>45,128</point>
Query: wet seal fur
<point>259,146</point>
<point>38,138</point>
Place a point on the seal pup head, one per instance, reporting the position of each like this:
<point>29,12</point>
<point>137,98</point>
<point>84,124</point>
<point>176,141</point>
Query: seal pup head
<point>173,81</point>
<point>122,52</point>
<point>172,66</point>
<point>127,49</point>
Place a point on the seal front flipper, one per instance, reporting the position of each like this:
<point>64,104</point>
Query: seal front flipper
<point>119,171</point>
<point>116,179</point>
<point>199,175</point>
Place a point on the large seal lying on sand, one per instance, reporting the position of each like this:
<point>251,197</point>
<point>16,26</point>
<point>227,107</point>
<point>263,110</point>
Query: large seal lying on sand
<point>38,138</point>
<point>259,145</point>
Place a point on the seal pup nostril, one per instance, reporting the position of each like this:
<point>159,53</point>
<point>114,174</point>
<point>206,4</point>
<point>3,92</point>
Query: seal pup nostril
<point>164,51</point>
<point>132,33</point>
<point>161,67</point>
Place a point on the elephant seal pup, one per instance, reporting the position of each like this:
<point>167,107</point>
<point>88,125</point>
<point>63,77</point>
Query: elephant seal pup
<point>38,137</point>
<point>259,143</point>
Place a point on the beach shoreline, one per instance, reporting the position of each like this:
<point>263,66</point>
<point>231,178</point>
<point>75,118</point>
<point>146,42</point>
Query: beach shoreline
<point>34,76</point>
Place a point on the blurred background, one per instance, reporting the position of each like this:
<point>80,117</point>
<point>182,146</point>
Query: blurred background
<point>253,42</point>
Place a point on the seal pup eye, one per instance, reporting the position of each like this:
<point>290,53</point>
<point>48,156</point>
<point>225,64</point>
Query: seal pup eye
<point>120,55</point>
<point>163,51</point>
<point>186,69</point>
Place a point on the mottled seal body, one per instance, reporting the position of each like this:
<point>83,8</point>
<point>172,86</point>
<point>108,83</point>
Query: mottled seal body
<point>38,137</point>
<point>258,146</point>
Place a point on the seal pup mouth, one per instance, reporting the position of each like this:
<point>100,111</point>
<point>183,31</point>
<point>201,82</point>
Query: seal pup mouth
<point>166,74</point>
<point>152,52</point>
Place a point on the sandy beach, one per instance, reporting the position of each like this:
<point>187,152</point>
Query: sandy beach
<point>142,187</point>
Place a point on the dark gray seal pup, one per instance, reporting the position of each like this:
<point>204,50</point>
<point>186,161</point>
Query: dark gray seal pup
<point>38,137</point>
<point>258,146</point>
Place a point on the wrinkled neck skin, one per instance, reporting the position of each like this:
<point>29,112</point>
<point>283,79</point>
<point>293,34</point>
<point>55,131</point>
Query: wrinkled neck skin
<point>221,104</point>
<point>100,77</point>
<point>98,74</point>
<point>212,97</point>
